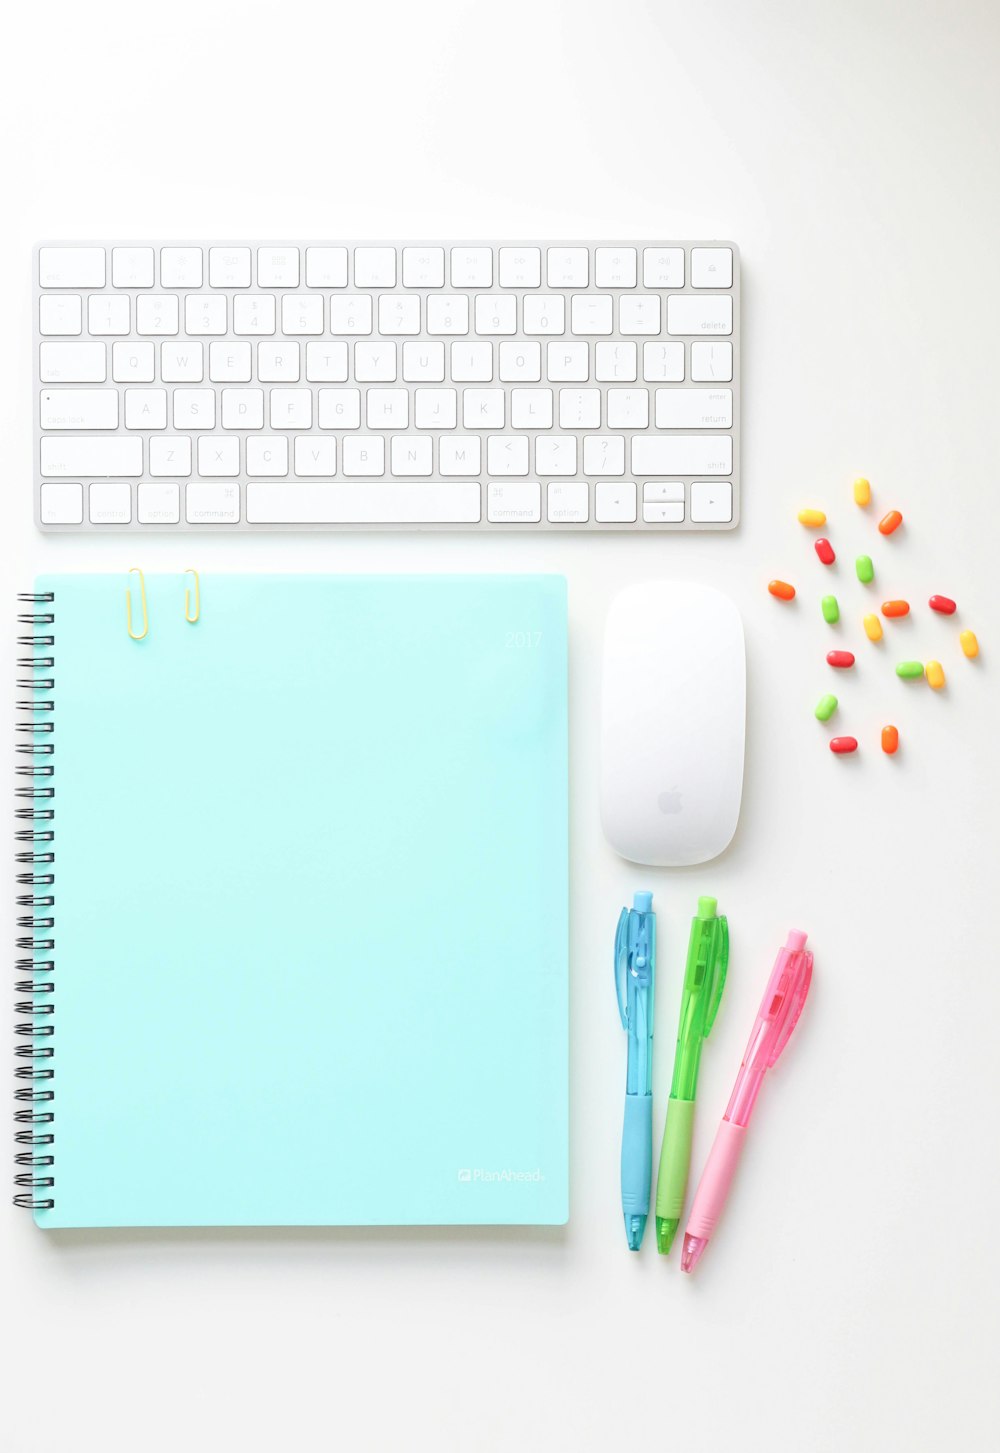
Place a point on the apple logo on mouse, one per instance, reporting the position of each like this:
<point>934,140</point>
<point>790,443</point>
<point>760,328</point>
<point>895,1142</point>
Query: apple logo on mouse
<point>670,801</point>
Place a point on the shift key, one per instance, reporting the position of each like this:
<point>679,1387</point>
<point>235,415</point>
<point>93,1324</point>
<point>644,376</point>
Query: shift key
<point>91,458</point>
<point>682,454</point>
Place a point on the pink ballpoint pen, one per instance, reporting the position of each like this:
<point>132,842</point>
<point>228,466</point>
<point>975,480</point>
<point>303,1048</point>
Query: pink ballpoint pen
<point>776,1018</point>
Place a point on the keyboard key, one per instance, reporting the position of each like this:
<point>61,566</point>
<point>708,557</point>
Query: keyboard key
<point>423,362</point>
<point>384,503</point>
<point>364,455</point>
<point>303,313</point>
<point>604,454</point>
<point>435,408</point>
<point>546,314</point>
<point>72,363</point>
<point>376,362</point>
<point>661,491</point>
<point>291,408</point>
<point>71,267</point>
<point>520,362</point>
<point>472,267</point>
<point>663,267</point>
<point>204,313</point>
<point>91,457</point>
<point>229,362</point>
<point>387,408</point>
<point>351,313</point>
<point>339,408</point>
<point>694,408</point>
<point>145,408</point>
<point>461,455</point>
<point>568,362</point>
<point>277,267</point>
<point>398,313</point>
<point>325,363</point>
<point>616,362</point>
<point>591,313</point>
<point>110,502</point>
<point>423,267</point>
<point>229,267</point>
<point>555,455</point>
<point>212,504</point>
<point>79,408</point>
<point>568,502</point>
<point>496,313</point>
<point>448,314</point>
<point>254,313</point>
<point>61,504</point>
<point>567,267</point>
<point>682,454</point>
<point>109,314</point>
<point>267,454</point>
<point>483,408</point>
<point>170,456</point>
<point>664,362</point>
<point>711,362</point>
<point>133,362</point>
<point>133,267</point>
<point>514,504</point>
<point>181,267</point>
<point>472,362</point>
<point>194,408</point>
<point>520,267</point>
<point>157,313</point>
<point>628,408</point>
<point>374,267</point>
<point>218,456</point>
<point>663,514</point>
<point>640,314</point>
<point>614,502</point>
<point>711,502</point>
<point>60,313</point>
<point>326,267</point>
<point>243,408</point>
<point>411,456</point>
<point>315,456</point>
<point>711,267</point>
<point>615,267</point>
<point>531,408</point>
<point>280,362</point>
<point>159,503</point>
<point>506,454</point>
<point>579,408</point>
<point>706,314</point>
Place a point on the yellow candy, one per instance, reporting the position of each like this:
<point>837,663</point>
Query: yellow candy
<point>969,644</point>
<point>812,518</point>
<point>934,672</point>
<point>873,628</point>
<point>862,492</point>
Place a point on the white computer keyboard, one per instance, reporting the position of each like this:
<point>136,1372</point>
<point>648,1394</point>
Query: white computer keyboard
<point>519,386</point>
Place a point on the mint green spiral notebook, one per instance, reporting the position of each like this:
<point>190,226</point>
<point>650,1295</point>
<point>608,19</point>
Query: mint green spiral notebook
<point>298,943</point>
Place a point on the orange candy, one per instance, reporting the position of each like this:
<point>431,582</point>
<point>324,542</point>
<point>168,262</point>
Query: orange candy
<point>890,740</point>
<point>896,608</point>
<point>782,589</point>
<point>890,522</point>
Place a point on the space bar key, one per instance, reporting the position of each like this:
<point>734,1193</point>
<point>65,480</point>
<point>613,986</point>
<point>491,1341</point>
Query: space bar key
<point>378,502</point>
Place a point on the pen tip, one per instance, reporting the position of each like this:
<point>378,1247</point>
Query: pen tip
<point>691,1255</point>
<point>634,1228</point>
<point>666,1230</point>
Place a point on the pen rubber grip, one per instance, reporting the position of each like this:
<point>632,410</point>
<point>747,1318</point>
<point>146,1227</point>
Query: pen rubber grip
<point>637,1154</point>
<point>675,1159</point>
<point>716,1178</point>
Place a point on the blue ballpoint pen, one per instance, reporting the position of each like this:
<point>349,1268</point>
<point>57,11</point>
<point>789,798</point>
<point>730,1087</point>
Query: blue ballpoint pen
<point>635,955</point>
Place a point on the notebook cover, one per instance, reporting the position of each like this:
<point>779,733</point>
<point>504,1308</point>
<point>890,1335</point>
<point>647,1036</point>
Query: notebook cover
<point>310,902</point>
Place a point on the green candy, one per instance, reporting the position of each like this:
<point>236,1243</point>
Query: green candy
<point>910,670</point>
<point>866,570</point>
<point>831,610</point>
<point>827,706</point>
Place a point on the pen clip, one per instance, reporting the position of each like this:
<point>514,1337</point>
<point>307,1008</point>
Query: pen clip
<point>621,965</point>
<point>720,968</point>
<point>796,978</point>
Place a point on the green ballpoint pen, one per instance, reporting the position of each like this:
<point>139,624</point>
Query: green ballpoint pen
<point>704,979</point>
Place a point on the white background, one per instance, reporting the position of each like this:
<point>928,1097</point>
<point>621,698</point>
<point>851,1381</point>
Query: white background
<point>849,1300</point>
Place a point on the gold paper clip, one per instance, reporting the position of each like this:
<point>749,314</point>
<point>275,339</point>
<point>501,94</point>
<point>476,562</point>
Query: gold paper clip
<point>197,599</point>
<point>137,636</point>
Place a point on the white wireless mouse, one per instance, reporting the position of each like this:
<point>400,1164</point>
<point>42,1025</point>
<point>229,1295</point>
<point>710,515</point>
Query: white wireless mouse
<point>673,723</point>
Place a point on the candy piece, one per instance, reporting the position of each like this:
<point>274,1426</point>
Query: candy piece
<point>873,628</point>
<point>865,569</point>
<point>890,739</point>
<point>942,605</point>
<point>862,492</point>
<point>843,659</point>
<point>812,518</point>
<point>825,708</point>
<point>831,610</point>
<point>910,670</point>
<point>969,644</point>
<point>890,522</point>
<point>781,589</point>
<point>825,551</point>
<point>842,745</point>
<point>894,608</point>
<point>934,672</point>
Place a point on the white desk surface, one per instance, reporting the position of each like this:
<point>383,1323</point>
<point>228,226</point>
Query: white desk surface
<point>851,1291</point>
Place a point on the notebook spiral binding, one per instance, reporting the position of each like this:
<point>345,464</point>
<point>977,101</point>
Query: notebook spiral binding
<point>35,985</point>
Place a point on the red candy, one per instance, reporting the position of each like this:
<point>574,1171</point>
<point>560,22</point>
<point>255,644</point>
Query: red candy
<point>842,745</point>
<point>840,658</point>
<point>825,551</point>
<point>943,605</point>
